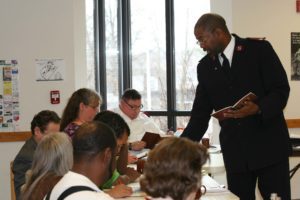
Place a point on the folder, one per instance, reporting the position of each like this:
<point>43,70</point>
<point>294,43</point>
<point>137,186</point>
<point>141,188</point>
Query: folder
<point>151,139</point>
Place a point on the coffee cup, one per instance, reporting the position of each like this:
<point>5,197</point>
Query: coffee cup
<point>140,165</point>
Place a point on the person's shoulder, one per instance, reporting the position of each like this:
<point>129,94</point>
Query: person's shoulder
<point>249,40</point>
<point>143,115</point>
<point>252,43</point>
<point>257,41</point>
<point>27,150</point>
<point>207,60</point>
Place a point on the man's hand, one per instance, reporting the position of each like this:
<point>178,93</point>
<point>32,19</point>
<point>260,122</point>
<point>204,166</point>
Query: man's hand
<point>132,174</point>
<point>120,191</point>
<point>248,108</point>
<point>131,158</point>
<point>138,145</point>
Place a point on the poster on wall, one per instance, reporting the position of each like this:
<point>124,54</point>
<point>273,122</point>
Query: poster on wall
<point>50,69</point>
<point>9,96</point>
<point>295,56</point>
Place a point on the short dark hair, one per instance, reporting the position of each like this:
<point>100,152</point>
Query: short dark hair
<point>131,94</point>
<point>210,21</point>
<point>92,138</point>
<point>42,119</point>
<point>173,168</point>
<point>113,120</point>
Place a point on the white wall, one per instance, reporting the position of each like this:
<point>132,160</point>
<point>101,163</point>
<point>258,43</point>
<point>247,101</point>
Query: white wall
<point>34,29</point>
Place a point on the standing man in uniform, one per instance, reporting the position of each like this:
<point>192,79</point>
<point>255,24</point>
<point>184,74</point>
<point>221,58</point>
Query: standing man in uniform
<point>254,138</point>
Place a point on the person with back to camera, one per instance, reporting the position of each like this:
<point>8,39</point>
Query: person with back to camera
<point>173,170</point>
<point>94,154</point>
<point>254,138</point>
<point>130,109</point>
<point>123,174</point>
<point>82,107</point>
<point>42,124</point>
<point>52,159</point>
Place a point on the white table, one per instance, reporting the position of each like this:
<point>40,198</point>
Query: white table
<point>214,191</point>
<point>215,164</point>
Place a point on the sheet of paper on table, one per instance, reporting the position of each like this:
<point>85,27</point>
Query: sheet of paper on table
<point>140,154</point>
<point>136,190</point>
<point>212,186</point>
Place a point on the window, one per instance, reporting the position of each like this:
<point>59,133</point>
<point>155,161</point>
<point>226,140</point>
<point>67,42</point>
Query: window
<point>187,53</point>
<point>112,53</point>
<point>90,40</point>
<point>148,50</point>
<point>149,46</point>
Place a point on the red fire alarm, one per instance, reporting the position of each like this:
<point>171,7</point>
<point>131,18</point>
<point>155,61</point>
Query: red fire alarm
<point>55,97</point>
<point>297,6</point>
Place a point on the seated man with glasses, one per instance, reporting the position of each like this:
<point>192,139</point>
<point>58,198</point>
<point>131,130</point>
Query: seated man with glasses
<point>130,109</point>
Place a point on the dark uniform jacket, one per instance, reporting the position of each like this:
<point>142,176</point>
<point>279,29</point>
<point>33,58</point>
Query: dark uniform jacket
<point>255,141</point>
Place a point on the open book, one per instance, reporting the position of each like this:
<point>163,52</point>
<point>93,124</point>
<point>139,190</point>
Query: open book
<point>219,114</point>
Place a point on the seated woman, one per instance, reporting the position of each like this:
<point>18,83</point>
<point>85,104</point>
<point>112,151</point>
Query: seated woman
<point>122,131</point>
<point>52,159</point>
<point>82,107</point>
<point>173,170</point>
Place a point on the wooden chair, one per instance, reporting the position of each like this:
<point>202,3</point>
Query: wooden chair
<point>12,184</point>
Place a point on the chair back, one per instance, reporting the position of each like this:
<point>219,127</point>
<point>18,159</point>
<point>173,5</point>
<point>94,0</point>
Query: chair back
<point>12,183</point>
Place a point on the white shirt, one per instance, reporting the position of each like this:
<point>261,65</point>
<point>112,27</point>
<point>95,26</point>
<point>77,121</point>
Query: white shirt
<point>228,51</point>
<point>139,125</point>
<point>74,179</point>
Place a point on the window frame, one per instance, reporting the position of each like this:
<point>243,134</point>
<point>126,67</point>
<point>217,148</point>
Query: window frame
<point>125,62</point>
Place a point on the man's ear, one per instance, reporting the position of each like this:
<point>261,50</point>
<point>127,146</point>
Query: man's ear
<point>218,32</point>
<point>38,133</point>
<point>107,155</point>
<point>37,130</point>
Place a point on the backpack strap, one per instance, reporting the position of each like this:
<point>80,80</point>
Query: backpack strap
<point>70,191</point>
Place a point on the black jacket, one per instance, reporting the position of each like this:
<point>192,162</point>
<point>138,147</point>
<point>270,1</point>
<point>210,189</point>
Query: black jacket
<point>255,141</point>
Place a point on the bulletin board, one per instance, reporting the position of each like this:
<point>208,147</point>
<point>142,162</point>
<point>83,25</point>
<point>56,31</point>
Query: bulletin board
<point>9,96</point>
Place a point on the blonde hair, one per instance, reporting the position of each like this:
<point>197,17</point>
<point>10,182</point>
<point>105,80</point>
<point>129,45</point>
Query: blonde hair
<point>54,154</point>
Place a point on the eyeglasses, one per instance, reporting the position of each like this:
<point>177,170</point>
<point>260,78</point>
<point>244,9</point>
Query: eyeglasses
<point>203,39</point>
<point>134,107</point>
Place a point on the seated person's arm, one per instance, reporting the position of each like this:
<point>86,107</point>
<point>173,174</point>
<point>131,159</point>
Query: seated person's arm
<point>132,174</point>
<point>131,158</point>
<point>120,191</point>
<point>20,166</point>
<point>137,145</point>
<point>123,159</point>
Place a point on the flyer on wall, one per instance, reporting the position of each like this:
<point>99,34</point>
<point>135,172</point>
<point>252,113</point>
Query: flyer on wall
<point>9,96</point>
<point>295,56</point>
